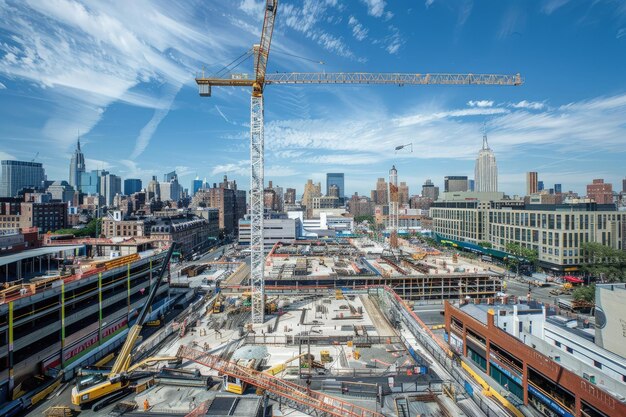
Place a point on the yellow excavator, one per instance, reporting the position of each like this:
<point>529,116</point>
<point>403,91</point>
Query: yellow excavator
<point>99,389</point>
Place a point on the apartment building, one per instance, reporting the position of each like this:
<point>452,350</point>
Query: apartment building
<point>555,231</point>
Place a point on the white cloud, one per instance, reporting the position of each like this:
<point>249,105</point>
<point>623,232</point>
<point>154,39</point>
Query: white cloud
<point>252,8</point>
<point>86,56</point>
<point>143,140</point>
<point>2,86</point>
<point>429,3</point>
<point>375,8</point>
<point>524,104</point>
<point>305,20</point>
<point>366,137</point>
<point>132,170</point>
<point>480,103</point>
<point>621,33</point>
<point>393,41</point>
<point>275,171</point>
<point>549,6</point>
<point>241,168</point>
<point>358,31</point>
<point>98,164</point>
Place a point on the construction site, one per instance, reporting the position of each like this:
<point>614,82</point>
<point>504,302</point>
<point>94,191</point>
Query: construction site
<point>417,273</point>
<point>333,353</point>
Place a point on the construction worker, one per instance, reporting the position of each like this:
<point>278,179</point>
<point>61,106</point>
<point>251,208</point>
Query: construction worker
<point>146,405</point>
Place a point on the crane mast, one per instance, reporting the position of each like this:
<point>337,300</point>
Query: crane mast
<point>258,83</point>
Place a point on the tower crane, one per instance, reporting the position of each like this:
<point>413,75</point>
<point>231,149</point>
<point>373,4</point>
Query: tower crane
<point>258,83</point>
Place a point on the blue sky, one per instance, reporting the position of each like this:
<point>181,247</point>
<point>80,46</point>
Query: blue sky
<point>122,74</point>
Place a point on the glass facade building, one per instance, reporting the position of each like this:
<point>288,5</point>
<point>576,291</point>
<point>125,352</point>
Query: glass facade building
<point>20,174</point>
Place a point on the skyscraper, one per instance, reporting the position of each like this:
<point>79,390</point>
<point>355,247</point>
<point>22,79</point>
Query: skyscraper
<point>20,174</point>
<point>379,195</point>
<point>77,167</point>
<point>531,183</point>
<point>403,193</point>
<point>169,176</point>
<point>455,183</point>
<point>486,170</point>
<point>430,191</point>
<point>540,186</point>
<point>90,182</point>
<point>558,189</point>
<point>196,185</point>
<point>110,185</point>
<point>131,186</point>
<point>338,180</point>
<point>311,191</point>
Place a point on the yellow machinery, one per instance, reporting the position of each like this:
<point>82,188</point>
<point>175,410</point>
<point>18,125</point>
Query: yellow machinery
<point>276,369</point>
<point>97,390</point>
<point>217,305</point>
<point>236,385</point>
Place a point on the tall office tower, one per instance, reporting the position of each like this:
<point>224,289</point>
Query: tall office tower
<point>380,194</point>
<point>290,196</point>
<point>430,191</point>
<point>90,182</point>
<point>454,183</point>
<point>393,199</point>
<point>310,191</point>
<point>486,170</point>
<point>601,192</point>
<point>110,185</point>
<point>77,167</point>
<point>403,193</point>
<point>154,191</point>
<point>132,186</point>
<point>338,180</point>
<point>558,188</point>
<point>531,183</point>
<point>196,185</point>
<point>20,174</point>
<point>333,191</point>
<point>169,176</point>
<point>170,190</point>
<point>471,185</point>
<point>540,186</point>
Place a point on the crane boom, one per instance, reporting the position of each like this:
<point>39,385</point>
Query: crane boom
<point>262,50</point>
<point>392,78</point>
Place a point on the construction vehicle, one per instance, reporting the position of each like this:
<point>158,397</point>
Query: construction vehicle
<point>99,389</point>
<point>236,385</point>
<point>217,304</point>
<point>260,54</point>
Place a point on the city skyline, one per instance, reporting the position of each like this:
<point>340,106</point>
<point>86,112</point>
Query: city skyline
<point>134,114</point>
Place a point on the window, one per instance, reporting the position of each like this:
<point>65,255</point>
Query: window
<point>557,343</point>
<point>597,364</point>
<point>569,349</point>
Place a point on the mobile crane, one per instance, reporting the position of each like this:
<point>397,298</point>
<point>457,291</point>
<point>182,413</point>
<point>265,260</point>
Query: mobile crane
<point>98,390</point>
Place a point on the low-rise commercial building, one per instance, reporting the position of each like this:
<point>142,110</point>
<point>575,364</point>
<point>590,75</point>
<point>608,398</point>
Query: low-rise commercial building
<point>539,359</point>
<point>274,231</point>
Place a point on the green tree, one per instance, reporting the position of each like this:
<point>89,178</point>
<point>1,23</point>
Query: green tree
<point>487,245</point>
<point>88,231</point>
<point>520,254</point>
<point>585,293</point>
<point>364,218</point>
<point>604,262</point>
